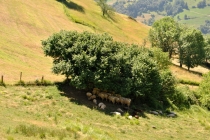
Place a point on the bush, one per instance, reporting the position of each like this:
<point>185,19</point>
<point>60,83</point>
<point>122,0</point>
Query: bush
<point>168,86</point>
<point>20,83</point>
<point>188,82</point>
<point>183,97</point>
<point>204,89</point>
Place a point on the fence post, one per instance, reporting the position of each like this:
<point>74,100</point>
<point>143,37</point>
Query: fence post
<point>20,76</point>
<point>42,79</point>
<point>2,79</point>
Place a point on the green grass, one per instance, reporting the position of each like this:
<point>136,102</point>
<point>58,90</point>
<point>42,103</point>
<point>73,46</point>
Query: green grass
<point>31,113</point>
<point>196,16</point>
<point>25,23</point>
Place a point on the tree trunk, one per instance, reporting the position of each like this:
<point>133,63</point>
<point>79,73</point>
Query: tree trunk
<point>180,64</point>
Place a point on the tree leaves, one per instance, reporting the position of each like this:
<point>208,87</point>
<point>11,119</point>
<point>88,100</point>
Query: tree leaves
<point>93,60</point>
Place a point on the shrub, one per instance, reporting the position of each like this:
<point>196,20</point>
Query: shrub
<point>20,83</point>
<point>204,91</point>
<point>168,85</point>
<point>183,97</point>
<point>194,83</point>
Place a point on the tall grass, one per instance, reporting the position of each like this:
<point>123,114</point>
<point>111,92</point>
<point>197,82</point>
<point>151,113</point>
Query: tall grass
<point>44,112</point>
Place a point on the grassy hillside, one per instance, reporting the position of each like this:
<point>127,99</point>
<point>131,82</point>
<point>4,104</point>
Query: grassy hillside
<point>196,16</point>
<point>25,23</point>
<point>32,113</point>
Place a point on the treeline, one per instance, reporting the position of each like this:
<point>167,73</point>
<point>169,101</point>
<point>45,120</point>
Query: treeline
<point>188,43</point>
<point>205,29</point>
<point>163,7</point>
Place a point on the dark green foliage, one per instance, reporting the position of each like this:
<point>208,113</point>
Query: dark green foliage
<point>162,58</point>
<point>188,82</point>
<point>168,84</point>
<point>183,98</point>
<point>135,8</point>
<point>92,60</point>
<point>207,49</point>
<point>192,44</point>
<point>204,90</point>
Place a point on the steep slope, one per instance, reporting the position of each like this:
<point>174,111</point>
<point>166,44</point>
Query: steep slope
<point>24,24</point>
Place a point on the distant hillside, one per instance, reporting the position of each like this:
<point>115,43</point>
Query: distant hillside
<point>24,23</point>
<point>194,13</point>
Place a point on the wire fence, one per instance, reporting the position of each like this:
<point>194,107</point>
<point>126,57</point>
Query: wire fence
<point>36,82</point>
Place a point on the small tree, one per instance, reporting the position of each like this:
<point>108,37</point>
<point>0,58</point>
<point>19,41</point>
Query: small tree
<point>163,34</point>
<point>192,48</point>
<point>105,8</point>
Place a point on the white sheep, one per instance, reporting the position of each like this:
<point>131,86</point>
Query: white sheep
<point>116,113</point>
<point>101,105</point>
<point>95,101</point>
<point>88,94</point>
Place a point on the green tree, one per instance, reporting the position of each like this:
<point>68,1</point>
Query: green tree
<point>204,91</point>
<point>207,49</point>
<point>105,8</point>
<point>164,34</point>
<point>192,47</point>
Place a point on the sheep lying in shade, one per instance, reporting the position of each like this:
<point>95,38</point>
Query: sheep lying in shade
<point>88,94</point>
<point>95,101</point>
<point>116,113</point>
<point>102,105</point>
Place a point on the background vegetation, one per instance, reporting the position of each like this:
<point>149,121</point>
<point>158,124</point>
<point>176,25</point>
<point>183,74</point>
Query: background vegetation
<point>184,11</point>
<point>60,111</point>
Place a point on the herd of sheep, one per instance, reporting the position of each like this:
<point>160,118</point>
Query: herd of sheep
<point>111,97</point>
<point>118,99</point>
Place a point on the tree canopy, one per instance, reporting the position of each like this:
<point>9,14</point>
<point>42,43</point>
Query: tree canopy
<point>164,34</point>
<point>93,60</point>
<point>173,37</point>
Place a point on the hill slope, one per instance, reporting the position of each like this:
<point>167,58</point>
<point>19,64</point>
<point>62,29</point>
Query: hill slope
<point>24,24</point>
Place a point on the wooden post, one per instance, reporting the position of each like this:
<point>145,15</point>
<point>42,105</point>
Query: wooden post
<point>2,79</point>
<point>20,76</point>
<point>42,79</point>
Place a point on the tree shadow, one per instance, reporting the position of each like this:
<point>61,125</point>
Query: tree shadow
<point>72,5</point>
<point>79,97</point>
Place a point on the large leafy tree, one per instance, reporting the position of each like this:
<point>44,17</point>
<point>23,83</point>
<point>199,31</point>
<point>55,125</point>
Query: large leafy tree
<point>192,47</point>
<point>164,34</point>
<point>92,60</point>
